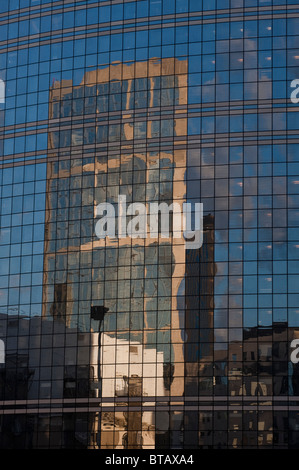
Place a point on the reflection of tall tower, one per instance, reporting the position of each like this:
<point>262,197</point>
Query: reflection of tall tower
<point>58,309</point>
<point>108,136</point>
<point>200,273</point>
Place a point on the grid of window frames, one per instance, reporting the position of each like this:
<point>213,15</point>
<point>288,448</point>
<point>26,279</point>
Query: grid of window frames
<point>159,101</point>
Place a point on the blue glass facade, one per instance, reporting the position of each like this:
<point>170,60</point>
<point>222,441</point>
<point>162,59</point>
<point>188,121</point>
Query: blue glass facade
<point>160,101</point>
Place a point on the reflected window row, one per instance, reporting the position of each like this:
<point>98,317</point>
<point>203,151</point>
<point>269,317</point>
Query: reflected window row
<point>244,28</point>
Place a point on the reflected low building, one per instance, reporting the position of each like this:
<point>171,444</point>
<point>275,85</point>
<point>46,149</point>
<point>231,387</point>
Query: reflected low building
<point>61,387</point>
<point>94,391</point>
<point>44,376</point>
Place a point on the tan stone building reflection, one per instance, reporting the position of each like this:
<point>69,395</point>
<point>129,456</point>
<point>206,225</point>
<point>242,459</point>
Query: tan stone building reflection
<point>122,130</point>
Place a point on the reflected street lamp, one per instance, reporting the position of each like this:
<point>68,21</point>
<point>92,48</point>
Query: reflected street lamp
<point>97,312</point>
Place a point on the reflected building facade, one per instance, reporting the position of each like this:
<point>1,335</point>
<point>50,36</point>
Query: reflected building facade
<point>161,102</point>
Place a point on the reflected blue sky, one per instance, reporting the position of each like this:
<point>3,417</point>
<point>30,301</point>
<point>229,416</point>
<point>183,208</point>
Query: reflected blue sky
<point>22,239</point>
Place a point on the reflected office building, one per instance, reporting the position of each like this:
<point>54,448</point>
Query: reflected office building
<point>146,342</point>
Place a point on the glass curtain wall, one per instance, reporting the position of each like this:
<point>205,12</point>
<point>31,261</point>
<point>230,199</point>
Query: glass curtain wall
<point>157,101</point>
